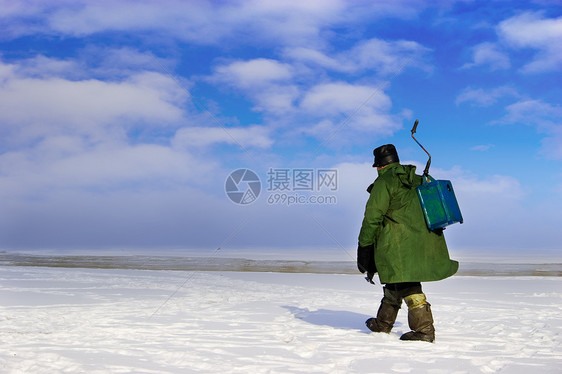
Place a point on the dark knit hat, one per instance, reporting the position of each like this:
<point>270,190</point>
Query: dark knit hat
<point>384,155</point>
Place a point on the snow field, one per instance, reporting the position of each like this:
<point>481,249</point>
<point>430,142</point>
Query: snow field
<point>55,320</point>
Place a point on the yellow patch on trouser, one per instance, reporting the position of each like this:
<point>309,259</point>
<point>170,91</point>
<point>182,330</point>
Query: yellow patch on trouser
<point>415,301</point>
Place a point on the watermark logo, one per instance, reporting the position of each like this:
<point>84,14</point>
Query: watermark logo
<point>298,186</point>
<point>243,186</point>
<point>302,179</point>
<point>285,186</point>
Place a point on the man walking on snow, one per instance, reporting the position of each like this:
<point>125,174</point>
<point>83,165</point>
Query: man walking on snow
<point>395,242</point>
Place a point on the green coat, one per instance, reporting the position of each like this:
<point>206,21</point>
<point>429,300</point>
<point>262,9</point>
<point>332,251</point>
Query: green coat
<point>405,249</point>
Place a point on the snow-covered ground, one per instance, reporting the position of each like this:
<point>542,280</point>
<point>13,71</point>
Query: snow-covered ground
<point>59,320</point>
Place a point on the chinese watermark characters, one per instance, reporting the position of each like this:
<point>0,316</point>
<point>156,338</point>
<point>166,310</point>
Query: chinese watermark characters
<point>282,179</point>
<point>286,186</point>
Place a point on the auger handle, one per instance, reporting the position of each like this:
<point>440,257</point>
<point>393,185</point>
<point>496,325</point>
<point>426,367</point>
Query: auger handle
<point>426,171</point>
<point>415,127</point>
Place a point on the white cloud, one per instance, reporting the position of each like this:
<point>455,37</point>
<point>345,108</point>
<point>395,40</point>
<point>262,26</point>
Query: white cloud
<point>201,22</point>
<point>24,17</point>
<point>342,113</point>
<point>268,83</point>
<point>547,118</point>
<point>119,63</point>
<point>113,166</point>
<point>361,107</point>
<point>277,99</point>
<point>44,67</point>
<point>485,98</point>
<point>252,136</point>
<point>492,208</point>
<point>533,30</point>
<point>481,147</point>
<point>60,134</point>
<point>490,55</point>
<point>388,57</point>
<point>34,107</point>
<point>276,87</point>
<point>316,57</point>
<point>342,97</point>
<point>108,64</point>
<point>70,163</point>
<point>528,30</point>
<point>384,57</point>
<point>282,89</point>
<point>552,144</point>
<point>67,164</point>
<point>495,187</point>
<point>252,73</point>
<point>354,178</point>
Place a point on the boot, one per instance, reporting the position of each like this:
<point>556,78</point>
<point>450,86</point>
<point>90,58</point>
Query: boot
<point>385,318</point>
<point>390,304</point>
<point>420,319</point>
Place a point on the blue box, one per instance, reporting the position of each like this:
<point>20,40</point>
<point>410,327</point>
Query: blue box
<point>439,204</point>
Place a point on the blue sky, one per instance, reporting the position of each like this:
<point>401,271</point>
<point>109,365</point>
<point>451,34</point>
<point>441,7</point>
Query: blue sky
<point>120,121</point>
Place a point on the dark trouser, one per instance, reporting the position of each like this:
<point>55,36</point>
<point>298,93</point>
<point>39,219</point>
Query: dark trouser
<point>410,292</point>
<point>395,292</point>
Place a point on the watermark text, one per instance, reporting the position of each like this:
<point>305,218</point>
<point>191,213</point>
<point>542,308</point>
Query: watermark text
<point>295,198</point>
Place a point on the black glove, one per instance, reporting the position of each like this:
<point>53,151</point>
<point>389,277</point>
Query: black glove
<point>366,259</point>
